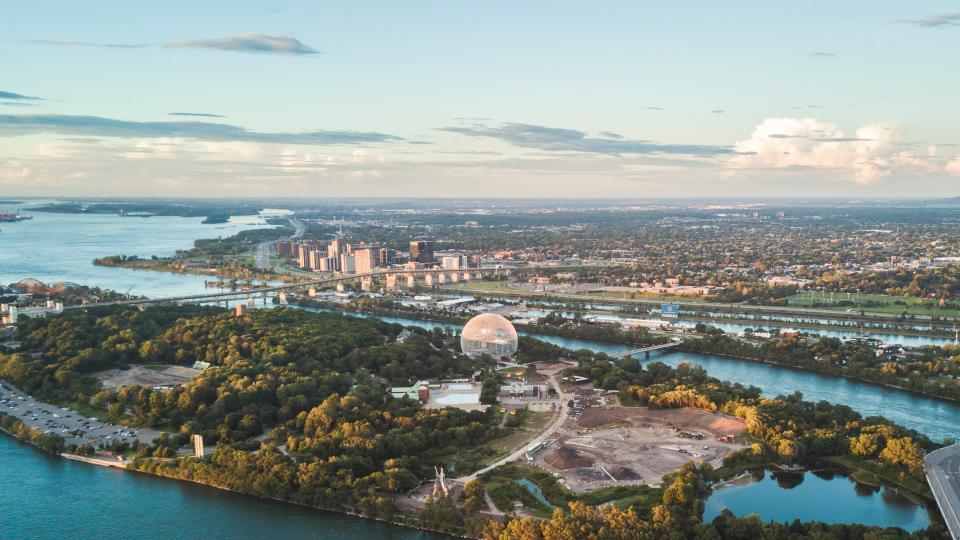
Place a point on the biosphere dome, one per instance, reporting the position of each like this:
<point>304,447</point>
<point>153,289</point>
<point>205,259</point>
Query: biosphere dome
<point>489,334</point>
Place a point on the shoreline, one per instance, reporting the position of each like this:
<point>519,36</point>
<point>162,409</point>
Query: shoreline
<point>826,374</point>
<point>124,466</point>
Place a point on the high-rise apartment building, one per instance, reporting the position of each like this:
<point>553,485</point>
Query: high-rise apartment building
<point>367,258</point>
<point>421,251</point>
<point>453,262</point>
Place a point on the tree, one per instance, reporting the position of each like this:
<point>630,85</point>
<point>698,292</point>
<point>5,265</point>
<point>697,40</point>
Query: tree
<point>903,451</point>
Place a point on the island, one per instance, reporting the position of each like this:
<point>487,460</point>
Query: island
<point>342,413</point>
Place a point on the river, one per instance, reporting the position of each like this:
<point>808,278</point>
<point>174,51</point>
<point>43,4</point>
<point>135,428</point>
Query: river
<point>45,497</point>
<point>54,247</point>
<point>85,501</point>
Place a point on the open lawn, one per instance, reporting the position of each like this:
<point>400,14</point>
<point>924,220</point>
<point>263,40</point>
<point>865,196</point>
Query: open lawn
<point>873,303</point>
<point>532,424</point>
<point>156,367</point>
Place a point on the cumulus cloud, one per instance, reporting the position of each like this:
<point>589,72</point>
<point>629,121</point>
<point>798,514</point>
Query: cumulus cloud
<point>571,140</point>
<point>12,125</point>
<point>936,21</point>
<point>245,43</point>
<point>954,166</point>
<point>870,154</point>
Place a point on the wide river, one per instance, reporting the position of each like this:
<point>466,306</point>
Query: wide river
<point>45,497</point>
<point>59,247</point>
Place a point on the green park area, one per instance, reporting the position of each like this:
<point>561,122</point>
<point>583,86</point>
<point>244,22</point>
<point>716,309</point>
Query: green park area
<point>875,303</point>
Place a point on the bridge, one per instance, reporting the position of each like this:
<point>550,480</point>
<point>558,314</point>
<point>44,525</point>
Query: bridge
<point>647,350</point>
<point>943,474</point>
<point>429,277</point>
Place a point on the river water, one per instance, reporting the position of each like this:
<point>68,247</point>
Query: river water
<point>54,247</point>
<point>62,498</point>
<point>781,497</point>
<point>45,497</point>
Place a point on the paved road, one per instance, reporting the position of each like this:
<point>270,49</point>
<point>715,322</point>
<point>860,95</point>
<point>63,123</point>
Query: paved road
<point>943,474</point>
<point>262,261</point>
<point>551,428</point>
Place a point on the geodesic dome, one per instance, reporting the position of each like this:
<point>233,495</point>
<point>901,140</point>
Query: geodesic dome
<point>490,334</point>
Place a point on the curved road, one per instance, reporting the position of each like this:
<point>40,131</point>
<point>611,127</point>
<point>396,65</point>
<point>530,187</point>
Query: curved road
<point>551,428</point>
<point>943,474</point>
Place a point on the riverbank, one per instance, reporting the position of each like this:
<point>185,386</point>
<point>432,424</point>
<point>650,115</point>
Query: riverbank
<point>352,513</point>
<point>15,428</point>
<point>171,267</point>
<point>780,323</point>
<point>944,399</point>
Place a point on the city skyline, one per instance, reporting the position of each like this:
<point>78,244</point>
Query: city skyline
<point>561,100</point>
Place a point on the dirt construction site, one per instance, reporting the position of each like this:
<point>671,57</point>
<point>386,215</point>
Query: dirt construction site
<point>635,445</point>
<point>113,379</point>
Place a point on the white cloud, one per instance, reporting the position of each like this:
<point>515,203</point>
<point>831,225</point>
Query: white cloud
<point>14,172</point>
<point>954,166</point>
<point>870,153</point>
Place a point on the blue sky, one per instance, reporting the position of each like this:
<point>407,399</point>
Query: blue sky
<point>455,99</point>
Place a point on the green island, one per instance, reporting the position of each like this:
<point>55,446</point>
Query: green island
<point>297,406</point>
<point>232,258</point>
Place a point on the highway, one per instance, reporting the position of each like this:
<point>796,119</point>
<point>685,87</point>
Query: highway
<point>263,249</point>
<point>943,474</point>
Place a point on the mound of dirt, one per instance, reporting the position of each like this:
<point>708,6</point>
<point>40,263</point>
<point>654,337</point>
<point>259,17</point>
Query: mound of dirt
<point>624,473</point>
<point>642,417</point>
<point>564,458</point>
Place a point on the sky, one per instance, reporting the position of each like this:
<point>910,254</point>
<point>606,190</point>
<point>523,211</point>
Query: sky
<point>554,98</point>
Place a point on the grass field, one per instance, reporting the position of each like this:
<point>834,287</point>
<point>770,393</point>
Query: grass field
<point>517,437</point>
<point>874,303</point>
<point>156,367</point>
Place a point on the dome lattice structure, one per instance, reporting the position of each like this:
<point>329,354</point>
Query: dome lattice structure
<point>490,334</point>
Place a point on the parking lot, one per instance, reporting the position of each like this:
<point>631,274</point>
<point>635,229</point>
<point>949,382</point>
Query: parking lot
<point>74,427</point>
